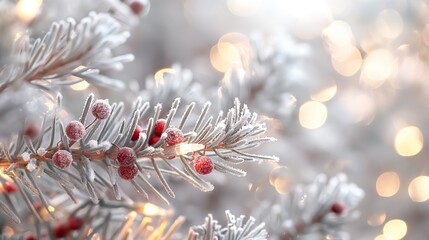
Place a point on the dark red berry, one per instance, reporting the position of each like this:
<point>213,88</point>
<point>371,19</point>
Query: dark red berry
<point>75,223</point>
<point>136,133</point>
<point>127,172</point>
<point>174,136</point>
<point>203,165</point>
<point>37,205</point>
<point>101,109</point>
<point>9,187</point>
<point>31,130</point>
<point>61,230</point>
<point>136,7</point>
<point>62,159</point>
<point>75,130</point>
<point>154,139</point>
<point>159,126</point>
<point>30,236</point>
<point>338,208</point>
<point>126,156</point>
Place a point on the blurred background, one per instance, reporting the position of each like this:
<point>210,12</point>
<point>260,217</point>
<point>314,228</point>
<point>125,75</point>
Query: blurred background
<point>342,84</point>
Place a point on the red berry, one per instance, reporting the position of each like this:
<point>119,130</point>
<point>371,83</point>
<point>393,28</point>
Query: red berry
<point>136,133</point>
<point>101,109</point>
<point>9,187</point>
<point>126,156</point>
<point>154,139</point>
<point>62,159</point>
<point>174,136</point>
<point>136,7</point>
<point>338,208</point>
<point>61,230</point>
<point>30,236</point>
<point>75,130</point>
<point>159,126</point>
<point>127,172</point>
<point>75,223</point>
<point>31,130</point>
<point>37,205</point>
<point>203,165</point>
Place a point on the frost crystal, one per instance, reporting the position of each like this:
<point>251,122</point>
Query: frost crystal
<point>32,165</point>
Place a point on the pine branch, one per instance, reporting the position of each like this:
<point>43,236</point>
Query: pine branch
<point>88,154</point>
<point>71,51</point>
<point>236,229</point>
<point>323,207</point>
<point>103,220</point>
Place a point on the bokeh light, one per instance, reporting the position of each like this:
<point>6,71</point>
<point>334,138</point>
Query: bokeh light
<point>388,184</point>
<point>409,141</point>
<point>419,189</point>
<point>325,94</point>
<point>28,9</point>
<point>395,229</point>
<point>312,114</point>
<point>378,66</point>
<point>377,219</point>
<point>80,86</point>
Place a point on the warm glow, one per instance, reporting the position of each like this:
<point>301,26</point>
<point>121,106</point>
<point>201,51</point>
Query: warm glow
<point>28,9</point>
<point>380,237</point>
<point>149,209</point>
<point>395,229</point>
<point>159,76</point>
<point>325,94</point>
<point>419,189</point>
<point>282,185</point>
<point>5,176</point>
<point>244,8</point>
<point>80,86</point>
<point>377,219</point>
<point>377,67</point>
<point>312,114</point>
<point>51,209</point>
<point>184,148</point>
<point>233,50</point>
<point>409,141</point>
<point>388,184</point>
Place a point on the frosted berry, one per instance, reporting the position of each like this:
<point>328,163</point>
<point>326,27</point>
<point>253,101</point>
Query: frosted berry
<point>61,230</point>
<point>101,109</point>
<point>154,139</point>
<point>136,133</point>
<point>203,165</point>
<point>126,156</point>
<point>62,159</point>
<point>31,130</point>
<point>9,187</point>
<point>127,172</point>
<point>174,136</point>
<point>338,208</point>
<point>136,7</point>
<point>75,130</point>
<point>75,223</point>
<point>159,126</point>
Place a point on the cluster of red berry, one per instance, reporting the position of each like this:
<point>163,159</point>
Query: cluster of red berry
<point>75,131</point>
<point>174,135</point>
<point>61,229</point>
<point>127,163</point>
